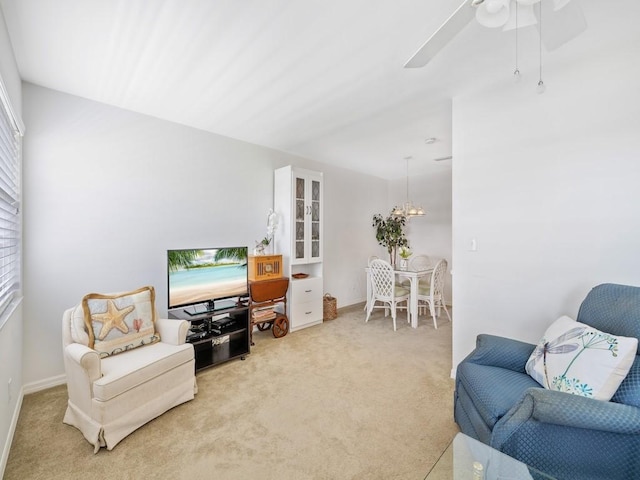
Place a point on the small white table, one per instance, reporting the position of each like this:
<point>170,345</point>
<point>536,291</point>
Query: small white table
<point>414,276</point>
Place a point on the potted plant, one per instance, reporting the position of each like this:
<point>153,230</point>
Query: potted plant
<point>390,233</point>
<point>405,253</point>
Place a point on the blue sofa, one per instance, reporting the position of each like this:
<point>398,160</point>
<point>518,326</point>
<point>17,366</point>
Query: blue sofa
<point>564,435</point>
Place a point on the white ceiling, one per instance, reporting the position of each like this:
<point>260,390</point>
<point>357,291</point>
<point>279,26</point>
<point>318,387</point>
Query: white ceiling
<point>320,79</point>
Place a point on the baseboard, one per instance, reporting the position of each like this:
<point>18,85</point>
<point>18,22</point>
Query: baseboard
<point>44,384</point>
<point>12,431</point>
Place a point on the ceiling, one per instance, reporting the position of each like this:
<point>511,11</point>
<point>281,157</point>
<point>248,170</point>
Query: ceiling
<point>320,79</point>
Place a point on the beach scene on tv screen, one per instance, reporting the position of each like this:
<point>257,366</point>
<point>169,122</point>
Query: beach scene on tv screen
<point>196,276</point>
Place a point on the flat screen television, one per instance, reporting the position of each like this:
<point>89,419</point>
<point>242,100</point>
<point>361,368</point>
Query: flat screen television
<point>209,278</point>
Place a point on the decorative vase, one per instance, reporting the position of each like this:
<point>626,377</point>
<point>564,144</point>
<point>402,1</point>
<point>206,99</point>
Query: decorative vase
<point>259,249</point>
<point>404,264</point>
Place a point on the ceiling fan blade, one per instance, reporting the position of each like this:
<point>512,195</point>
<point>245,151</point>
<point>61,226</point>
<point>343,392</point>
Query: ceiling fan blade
<point>449,29</point>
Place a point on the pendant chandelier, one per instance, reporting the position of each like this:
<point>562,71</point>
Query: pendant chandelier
<point>408,210</point>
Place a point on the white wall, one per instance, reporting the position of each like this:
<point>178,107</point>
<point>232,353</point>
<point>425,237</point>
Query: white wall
<point>350,201</point>
<point>107,192</point>
<point>548,185</point>
<point>11,325</point>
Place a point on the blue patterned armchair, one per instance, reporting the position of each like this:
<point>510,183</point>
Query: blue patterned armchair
<point>564,435</point>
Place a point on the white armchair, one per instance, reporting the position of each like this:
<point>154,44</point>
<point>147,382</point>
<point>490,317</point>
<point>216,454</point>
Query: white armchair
<point>111,394</point>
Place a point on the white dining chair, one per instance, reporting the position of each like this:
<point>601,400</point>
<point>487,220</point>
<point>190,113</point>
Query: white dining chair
<point>432,295</point>
<point>385,290</point>
<point>369,260</point>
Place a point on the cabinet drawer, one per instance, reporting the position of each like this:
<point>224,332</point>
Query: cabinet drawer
<point>306,290</point>
<point>305,313</point>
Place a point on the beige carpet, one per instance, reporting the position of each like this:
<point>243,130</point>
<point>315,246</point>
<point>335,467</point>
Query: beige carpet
<point>342,400</point>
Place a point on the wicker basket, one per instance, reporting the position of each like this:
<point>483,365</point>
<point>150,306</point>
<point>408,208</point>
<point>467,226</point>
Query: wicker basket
<point>329,307</point>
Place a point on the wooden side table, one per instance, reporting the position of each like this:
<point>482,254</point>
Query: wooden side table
<point>265,296</point>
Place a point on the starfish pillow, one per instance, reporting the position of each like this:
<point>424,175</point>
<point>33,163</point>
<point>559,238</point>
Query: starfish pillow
<point>120,322</point>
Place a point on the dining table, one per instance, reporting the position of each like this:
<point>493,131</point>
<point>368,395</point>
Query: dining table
<point>414,277</point>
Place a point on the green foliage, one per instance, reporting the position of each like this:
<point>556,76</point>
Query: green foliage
<point>181,258</point>
<point>390,233</point>
<point>184,258</point>
<point>239,254</point>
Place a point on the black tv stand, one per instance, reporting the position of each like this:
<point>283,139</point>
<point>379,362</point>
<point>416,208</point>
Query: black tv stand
<point>213,307</point>
<point>213,345</point>
<point>210,307</point>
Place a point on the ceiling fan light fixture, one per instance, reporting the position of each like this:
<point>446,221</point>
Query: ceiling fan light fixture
<point>558,4</point>
<point>524,18</point>
<point>495,6</point>
<point>493,13</point>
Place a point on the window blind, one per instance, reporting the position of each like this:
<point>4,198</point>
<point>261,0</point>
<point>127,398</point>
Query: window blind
<point>10,222</point>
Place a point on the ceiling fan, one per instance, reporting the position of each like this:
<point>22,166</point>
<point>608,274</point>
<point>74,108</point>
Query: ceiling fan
<point>563,21</point>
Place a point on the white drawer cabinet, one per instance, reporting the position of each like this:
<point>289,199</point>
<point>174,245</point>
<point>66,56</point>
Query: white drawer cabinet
<point>305,302</point>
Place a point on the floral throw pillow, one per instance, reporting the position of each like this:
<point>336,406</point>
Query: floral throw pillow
<point>575,358</point>
<point>120,322</point>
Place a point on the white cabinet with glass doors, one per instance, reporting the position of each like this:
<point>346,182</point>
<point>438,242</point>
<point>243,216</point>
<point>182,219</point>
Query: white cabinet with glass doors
<point>298,205</point>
